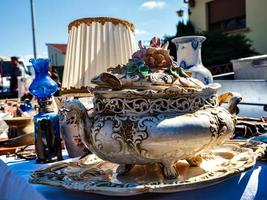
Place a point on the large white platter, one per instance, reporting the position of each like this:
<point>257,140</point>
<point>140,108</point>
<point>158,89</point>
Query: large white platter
<point>91,174</point>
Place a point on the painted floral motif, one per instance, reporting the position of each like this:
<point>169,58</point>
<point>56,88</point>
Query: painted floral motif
<point>194,44</point>
<point>184,65</point>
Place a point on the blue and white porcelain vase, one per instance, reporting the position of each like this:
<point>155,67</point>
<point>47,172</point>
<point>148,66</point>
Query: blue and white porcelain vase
<point>189,57</point>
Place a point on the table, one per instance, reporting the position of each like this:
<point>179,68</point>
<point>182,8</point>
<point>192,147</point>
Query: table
<point>14,185</point>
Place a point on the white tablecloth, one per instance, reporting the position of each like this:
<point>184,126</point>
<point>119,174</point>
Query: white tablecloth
<point>14,185</point>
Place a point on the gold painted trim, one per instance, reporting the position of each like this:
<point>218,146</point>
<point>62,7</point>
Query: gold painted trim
<point>101,20</point>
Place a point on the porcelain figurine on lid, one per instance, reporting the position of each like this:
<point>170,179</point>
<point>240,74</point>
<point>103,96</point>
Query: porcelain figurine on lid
<point>152,111</point>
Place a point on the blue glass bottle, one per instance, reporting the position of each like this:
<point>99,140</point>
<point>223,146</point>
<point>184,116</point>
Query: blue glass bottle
<point>26,106</point>
<point>46,122</point>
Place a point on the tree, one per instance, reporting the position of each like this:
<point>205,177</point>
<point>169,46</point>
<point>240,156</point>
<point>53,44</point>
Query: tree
<point>219,48</point>
<point>182,29</point>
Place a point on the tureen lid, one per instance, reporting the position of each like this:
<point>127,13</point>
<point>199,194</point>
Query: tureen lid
<point>150,68</point>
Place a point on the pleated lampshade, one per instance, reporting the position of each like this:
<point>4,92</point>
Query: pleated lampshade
<point>95,44</point>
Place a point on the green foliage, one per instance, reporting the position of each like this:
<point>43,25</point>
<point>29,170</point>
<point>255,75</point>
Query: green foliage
<point>219,48</point>
<point>183,29</point>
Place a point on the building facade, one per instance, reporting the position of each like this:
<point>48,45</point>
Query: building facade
<point>56,54</point>
<point>232,16</point>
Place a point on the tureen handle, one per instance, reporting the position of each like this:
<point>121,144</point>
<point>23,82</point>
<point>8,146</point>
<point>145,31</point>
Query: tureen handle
<point>233,99</point>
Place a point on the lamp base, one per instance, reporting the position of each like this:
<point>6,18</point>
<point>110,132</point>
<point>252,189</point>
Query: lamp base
<point>47,134</point>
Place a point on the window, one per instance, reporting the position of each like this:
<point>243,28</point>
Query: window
<point>225,15</point>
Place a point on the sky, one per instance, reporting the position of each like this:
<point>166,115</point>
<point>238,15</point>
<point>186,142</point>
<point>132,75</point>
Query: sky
<point>151,18</point>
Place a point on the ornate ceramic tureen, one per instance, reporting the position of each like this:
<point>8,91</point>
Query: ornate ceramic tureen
<point>151,111</point>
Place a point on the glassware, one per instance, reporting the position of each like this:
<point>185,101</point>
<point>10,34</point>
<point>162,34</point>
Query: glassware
<point>42,86</point>
<point>26,106</point>
<point>46,122</point>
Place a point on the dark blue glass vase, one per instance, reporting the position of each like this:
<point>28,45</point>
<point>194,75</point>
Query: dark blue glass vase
<point>46,122</point>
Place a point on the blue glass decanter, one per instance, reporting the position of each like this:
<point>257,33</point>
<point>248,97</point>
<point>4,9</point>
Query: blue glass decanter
<point>46,122</point>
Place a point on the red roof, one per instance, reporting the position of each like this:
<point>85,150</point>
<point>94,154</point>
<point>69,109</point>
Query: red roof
<point>61,47</point>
